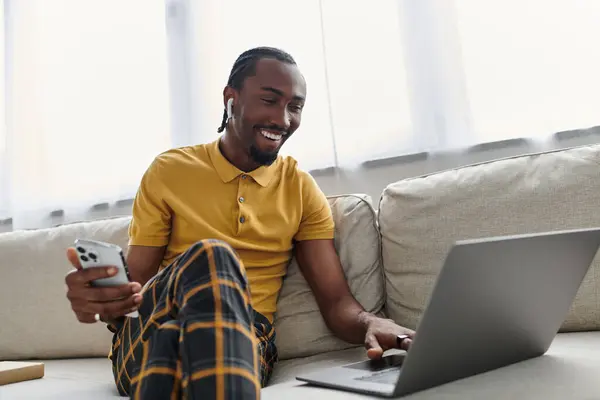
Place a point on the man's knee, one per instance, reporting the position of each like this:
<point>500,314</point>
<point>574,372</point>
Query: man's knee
<point>210,243</point>
<point>214,252</point>
<point>214,246</point>
<point>206,261</point>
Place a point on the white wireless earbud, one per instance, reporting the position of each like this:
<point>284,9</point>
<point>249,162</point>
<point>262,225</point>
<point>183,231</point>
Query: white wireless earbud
<point>229,107</point>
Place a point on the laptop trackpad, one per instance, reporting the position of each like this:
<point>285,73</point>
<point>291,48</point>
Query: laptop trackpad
<point>393,360</point>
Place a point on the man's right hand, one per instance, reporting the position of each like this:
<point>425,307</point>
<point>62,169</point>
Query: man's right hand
<point>109,302</point>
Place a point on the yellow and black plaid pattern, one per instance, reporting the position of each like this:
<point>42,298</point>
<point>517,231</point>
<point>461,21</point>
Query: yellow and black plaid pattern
<point>197,335</point>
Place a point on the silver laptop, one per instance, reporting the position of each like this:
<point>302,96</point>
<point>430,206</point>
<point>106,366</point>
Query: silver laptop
<point>496,301</point>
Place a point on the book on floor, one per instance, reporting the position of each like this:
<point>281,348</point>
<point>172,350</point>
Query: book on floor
<point>19,371</point>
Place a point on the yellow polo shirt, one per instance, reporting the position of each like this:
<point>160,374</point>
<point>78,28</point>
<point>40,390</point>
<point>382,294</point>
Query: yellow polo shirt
<point>193,193</point>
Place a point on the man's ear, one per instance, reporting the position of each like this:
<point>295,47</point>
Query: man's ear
<point>229,93</point>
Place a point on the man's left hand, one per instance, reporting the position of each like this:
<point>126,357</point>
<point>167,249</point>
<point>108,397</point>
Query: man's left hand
<point>382,334</point>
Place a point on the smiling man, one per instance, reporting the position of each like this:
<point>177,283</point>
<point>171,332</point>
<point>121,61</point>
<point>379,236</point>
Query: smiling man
<point>214,227</point>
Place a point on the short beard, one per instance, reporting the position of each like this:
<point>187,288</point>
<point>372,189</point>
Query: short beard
<point>262,157</point>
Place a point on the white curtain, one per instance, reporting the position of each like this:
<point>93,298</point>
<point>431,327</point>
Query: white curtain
<point>391,77</point>
<point>349,52</point>
<point>3,153</point>
<point>532,67</point>
<point>97,88</point>
<point>88,103</point>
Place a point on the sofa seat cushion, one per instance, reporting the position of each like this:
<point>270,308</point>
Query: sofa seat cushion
<point>301,330</point>
<point>287,370</point>
<point>85,378</point>
<point>91,378</point>
<point>421,218</point>
<point>569,370</point>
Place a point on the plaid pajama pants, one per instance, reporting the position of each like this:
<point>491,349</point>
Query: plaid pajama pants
<point>197,335</point>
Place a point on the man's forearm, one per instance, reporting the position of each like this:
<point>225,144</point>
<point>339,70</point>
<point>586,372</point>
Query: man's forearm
<point>321,267</point>
<point>348,320</point>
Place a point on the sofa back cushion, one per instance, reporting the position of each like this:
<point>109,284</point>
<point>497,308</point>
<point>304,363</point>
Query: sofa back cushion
<point>301,330</point>
<point>36,320</point>
<point>421,218</point>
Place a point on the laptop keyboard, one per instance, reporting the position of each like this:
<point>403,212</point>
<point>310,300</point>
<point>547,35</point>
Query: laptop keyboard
<point>387,376</point>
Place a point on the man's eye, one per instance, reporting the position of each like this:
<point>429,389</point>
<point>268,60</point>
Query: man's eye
<point>269,101</point>
<point>296,107</point>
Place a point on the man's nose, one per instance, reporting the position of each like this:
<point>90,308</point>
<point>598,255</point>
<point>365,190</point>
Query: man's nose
<point>282,119</point>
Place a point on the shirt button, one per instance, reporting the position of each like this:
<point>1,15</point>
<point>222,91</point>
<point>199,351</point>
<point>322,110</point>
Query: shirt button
<point>242,219</point>
<point>244,176</point>
<point>242,199</point>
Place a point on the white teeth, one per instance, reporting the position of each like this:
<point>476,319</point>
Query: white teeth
<point>270,135</point>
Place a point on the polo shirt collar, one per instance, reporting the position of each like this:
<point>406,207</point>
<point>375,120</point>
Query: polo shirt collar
<point>228,172</point>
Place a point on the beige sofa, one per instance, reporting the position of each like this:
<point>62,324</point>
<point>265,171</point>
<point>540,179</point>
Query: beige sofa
<point>390,257</point>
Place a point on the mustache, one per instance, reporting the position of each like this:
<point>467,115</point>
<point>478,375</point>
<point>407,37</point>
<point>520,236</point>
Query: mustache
<point>276,128</point>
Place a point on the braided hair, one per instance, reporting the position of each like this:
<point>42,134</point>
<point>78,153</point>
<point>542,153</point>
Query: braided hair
<point>245,66</point>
